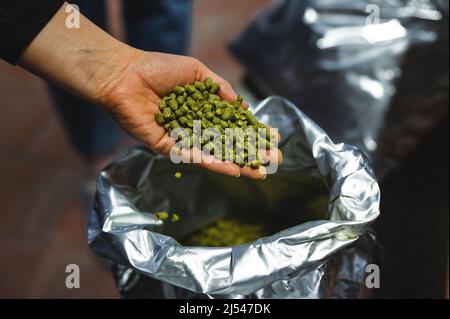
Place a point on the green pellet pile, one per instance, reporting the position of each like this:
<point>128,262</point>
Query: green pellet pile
<point>199,101</point>
<point>226,233</point>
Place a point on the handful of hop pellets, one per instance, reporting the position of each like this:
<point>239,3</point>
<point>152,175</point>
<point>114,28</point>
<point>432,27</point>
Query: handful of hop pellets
<point>226,233</point>
<point>199,101</point>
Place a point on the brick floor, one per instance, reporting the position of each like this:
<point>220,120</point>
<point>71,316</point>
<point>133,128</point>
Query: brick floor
<point>41,215</point>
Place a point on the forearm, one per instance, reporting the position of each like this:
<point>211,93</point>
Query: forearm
<point>85,61</point>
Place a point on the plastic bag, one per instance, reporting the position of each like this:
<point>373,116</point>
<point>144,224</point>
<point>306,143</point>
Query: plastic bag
<point>299,257</point>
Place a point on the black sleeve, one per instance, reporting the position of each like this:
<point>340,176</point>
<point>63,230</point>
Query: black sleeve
<point>20,23</point>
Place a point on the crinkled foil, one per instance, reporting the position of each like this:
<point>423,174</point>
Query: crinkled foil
<point>342,62</point>
<point>292,263</point>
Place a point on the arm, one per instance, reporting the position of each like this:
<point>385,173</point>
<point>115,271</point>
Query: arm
<point>84,61</point>
<point>125,82</point>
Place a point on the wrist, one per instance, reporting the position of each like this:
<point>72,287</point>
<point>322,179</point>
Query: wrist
<point>85,61</point>
<point>105,70</point>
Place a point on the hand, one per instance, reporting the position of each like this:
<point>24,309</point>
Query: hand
<point>133,100</point>
<point>125,82</point>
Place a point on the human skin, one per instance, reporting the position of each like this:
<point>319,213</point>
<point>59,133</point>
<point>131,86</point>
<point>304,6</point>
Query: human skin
<point>125,82</point>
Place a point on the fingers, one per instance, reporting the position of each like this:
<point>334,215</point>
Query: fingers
<point>273,156</point>
<point>196,156</point>
<point>226,91</point>
<point>220,167</point>
<point>166,147</point>
<point>232,169</point>
<point>274,132</point>
<point>254,173</point>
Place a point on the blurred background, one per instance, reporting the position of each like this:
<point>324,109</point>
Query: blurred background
<point>388,95</point>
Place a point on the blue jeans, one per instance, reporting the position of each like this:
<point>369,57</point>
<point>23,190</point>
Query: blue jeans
<point>151,25</point>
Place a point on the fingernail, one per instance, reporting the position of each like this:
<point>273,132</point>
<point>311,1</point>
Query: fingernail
<point>239,174</point>
<point>264,177</point>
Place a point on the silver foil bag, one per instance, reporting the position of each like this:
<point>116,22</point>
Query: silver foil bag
<point>317,208</point>
<point>342,61</point>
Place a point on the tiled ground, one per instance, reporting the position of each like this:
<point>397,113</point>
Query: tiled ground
<point>41,216</point>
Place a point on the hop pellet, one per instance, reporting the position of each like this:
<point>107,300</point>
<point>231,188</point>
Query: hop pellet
<point>226,232</point>
<point>199,101</point>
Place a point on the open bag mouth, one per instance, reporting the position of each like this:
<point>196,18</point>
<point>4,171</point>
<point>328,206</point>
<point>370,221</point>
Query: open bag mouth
<point>321,199</point>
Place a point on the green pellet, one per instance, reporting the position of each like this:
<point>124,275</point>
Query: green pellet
<point>190,102</point>
<point>162,104</point>
<point>175,218</point>
<point>167,113</point>
<point>172,103</point>
<point>190,89</point>
<point>215,87</point>
<point>200,86</point>
<point>178,175</point>
<point>161,215</point>
<point>237,104</point>
<point>209,115</point>
<point>213,98</point>
<point>219,112</point>
<point>221,104</point>
<point>159,118</point>
<point>183,120</point>
<point>179,90</point>
<point>208,83</point>
<point>197,96</point>
<point>180,100</point>
<point>178,113</point>
<point>227,114</point>
<point>207,107</point>
<point>250,118</point>
<point>174,124</point>
<point>184,108</point>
